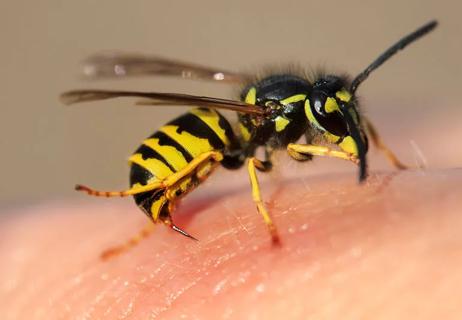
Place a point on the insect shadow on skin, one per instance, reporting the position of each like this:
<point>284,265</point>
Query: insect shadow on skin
<point>274,111</point>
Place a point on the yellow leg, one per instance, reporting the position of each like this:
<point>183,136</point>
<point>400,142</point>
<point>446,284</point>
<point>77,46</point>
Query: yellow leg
<point>130,192</point>
<point>161,184</point>
<point>193,165</point>
<point>379,144</point>
<point>301,151</point>
<point>169,184</point>
<point>252,165</point>
<point>200,167</point>
<point>133,241</point>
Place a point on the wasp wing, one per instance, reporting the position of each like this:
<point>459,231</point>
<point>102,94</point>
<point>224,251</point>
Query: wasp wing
<point>159,98</point>
<point>110,65</point>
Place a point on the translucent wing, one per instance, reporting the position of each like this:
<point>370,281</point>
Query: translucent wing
<point>109,65</point>
<point>159,98</point>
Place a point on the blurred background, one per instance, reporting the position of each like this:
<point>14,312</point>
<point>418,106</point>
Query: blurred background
<point>46,147</point>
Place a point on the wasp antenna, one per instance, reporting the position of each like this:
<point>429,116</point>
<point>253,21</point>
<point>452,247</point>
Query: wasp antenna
<point>401,44</point>
<point>360,145</point>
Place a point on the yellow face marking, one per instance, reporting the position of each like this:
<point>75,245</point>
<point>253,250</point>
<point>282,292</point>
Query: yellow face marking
<point>211,119</point>
<point>251,96</point>
<point>348,145</point>
<point>174,157</point>
<point>331,105</point>
<point>343,95</point>
<point>156,207</point>
<point>281,123</point>
<point>159,169</point>
<point>311,117</point>
<point>244,132</point>
<point>194,145</point>
<point>293,99</point>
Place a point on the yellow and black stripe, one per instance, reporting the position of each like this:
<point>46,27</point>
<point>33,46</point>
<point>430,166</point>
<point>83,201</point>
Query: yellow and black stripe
<point>172,148</point>
<point>285,95</point>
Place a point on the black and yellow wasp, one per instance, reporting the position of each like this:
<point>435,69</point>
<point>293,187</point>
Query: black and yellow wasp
<point>275,111</point>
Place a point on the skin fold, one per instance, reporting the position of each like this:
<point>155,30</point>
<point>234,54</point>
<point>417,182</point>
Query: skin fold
<point>388,249</point>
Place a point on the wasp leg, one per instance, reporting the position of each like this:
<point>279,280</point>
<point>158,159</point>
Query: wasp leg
<point>130,192</point>
<point>194,165</point>
<point>177,184</point>
<point>133,241</point>
<point>180,183</point>
<point>302,152</point>
<point>262,166</point>
<point>379,144</point>
<point>144,233</point>
<point>160,184</point>
<point>197,167</point>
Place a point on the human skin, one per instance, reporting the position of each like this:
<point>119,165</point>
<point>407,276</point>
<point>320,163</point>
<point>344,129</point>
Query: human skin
<point>388,249</point>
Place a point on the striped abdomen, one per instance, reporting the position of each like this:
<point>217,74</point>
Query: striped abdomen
<point>170,149</point>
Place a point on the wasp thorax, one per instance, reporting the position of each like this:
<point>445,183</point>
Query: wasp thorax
<point>283,97</point>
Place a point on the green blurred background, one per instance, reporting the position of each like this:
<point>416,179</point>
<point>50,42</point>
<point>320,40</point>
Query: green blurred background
<point>47,147</point>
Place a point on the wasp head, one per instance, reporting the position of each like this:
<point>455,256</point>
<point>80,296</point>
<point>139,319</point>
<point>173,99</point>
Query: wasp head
<point>332,109</point>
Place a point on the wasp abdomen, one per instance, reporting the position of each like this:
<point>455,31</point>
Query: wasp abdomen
<point>171,149</point>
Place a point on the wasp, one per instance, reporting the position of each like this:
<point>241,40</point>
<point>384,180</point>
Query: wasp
<point>274,112</point>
